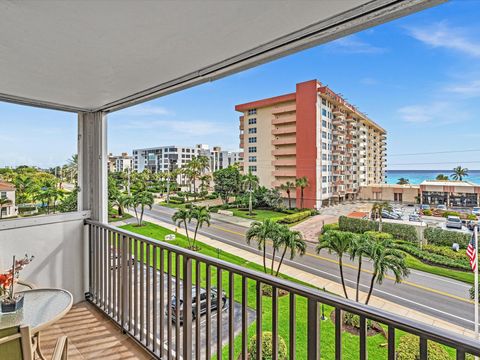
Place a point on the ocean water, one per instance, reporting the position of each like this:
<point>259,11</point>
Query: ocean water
<point>417,176</point>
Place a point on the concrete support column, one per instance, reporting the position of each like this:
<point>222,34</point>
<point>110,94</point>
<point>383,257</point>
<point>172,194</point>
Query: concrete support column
<point>92,164</point>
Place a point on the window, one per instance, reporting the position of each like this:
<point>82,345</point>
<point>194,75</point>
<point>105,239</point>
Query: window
<point>252,149</point>
<point>324,102</point>
<point>252,168</point>
<point>324,123</point>
<point>252,121</point>
<point>324,146</point>
<point>324,134</point>
<point>324,167</point>
<point>252,130</point>
<point>3,195</point>
<point>252,112</point>
<point>324,179</point>
<point>324,112</point>
<point>252,140</point>
<point>252,158</point>
<point>324,156</point>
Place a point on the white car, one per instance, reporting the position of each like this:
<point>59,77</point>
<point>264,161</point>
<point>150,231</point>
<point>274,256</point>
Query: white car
<point>441,207</point>
<point>476,211</point>
<point>454,222</point>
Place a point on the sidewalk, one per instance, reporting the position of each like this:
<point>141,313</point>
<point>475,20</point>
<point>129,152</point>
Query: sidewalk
<point>320,282</point>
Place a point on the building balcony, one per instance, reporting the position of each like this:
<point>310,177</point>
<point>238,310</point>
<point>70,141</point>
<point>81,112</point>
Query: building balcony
<point>284,109</point>
<point>338,121</point>
<point>284,120</point>
<point>350,119</point>
<point>241,126</point>
<point>284,152</point>
<point>284,162</point>
<point>284,130</point>
<point>284,173</point>
<point>284,141</point>
<point>337,112</point>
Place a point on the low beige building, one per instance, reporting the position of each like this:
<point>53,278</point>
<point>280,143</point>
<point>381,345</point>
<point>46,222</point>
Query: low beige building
<point>407,194</point>
<point>453,193</point>
<point>7,192</point>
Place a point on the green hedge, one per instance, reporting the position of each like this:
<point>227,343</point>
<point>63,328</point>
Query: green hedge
<point>379,235</point>
<point>450,213</point>
<point>267,349</point>
<point>409,349</point>
<point>438,236</point>
<point>432,258</point>
<point>293,218</point>
<point>398,231</point>
<point>328,227</point>
<point>177,199</point>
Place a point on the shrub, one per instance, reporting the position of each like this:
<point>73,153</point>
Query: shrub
<point>354,320</point>
<point>471,217</point>
<point>431,258</point>
<point>398,231</point>
<point>379,235</point>
<point>438,236</point>
<point>450,213</point>
<point>293,218</point>
<point>177,199</point>
<point>267,351</point>
<point>328,227</point>
<point>446,251</point>
<point>427,212</point>
<point>409,349</point>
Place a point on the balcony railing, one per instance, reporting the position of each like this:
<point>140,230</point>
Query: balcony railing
<point>137,281</point>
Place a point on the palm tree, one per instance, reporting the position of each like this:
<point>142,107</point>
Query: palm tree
<point>3,203</point>
<point>122,201</point>
<point>202,216</point>
<point>360,246</point>
<point>287,187</point>
<point>385,258</point>
<point>261,232</point>
<point>441,177</point>
<point>377,210</point>
<point>250,184</point>
<point>23,187</point>
<point>302,183</point>
<point>290,240</point>
<point>182,216</point>
<point>459,173</point>
<point>204,182</point>
<point>337,242</point>
<point>72,168</point>
<point>403,181</point>
<point>142,199</point>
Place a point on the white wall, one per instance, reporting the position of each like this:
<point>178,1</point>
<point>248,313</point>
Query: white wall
<point>56,241</point>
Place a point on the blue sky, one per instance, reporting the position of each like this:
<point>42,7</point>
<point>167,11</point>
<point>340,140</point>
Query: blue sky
<point>418,77</point>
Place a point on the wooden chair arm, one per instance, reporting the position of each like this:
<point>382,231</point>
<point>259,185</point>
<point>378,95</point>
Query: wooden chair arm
<point>61,349</point>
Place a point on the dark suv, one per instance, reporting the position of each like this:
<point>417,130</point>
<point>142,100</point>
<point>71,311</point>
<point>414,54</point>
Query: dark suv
<point>203,302</point>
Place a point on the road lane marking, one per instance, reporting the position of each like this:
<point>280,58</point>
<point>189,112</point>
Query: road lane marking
<point>422,287</point>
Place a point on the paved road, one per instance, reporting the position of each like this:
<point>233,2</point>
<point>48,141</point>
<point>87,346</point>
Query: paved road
<point>434,295</point>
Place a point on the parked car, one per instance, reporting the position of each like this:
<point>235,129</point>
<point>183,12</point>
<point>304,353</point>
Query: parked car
<point>476,211</point>
<point>454,222</point>
<point>414,217</point>
<point>203,303</point>
<point>424,207</point>
<point>471,224</point>
<point>441,207</point>
<point>390,215</point>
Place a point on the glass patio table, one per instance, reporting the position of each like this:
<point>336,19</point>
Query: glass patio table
<point>41,308</point>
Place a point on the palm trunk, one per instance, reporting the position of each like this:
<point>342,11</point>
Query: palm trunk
<point>250,205</point>
<point>340,264</point>
<point>380,223</point>
<point>186,231</point>
<point>281,260</point>
<point>136,214</point>
<point>195,236</point>
<point>358,277</point>
<point>141,215</point>
<point>301,196</point>
<point>372,282</point>
<point>273,261</point>
<point>289,200</point>
<point>120,211</point>
<point>264,259</point>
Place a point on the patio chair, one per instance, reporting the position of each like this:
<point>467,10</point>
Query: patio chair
<point>16,344</point>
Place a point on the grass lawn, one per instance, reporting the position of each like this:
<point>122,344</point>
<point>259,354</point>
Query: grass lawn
<point>112,217</point>
<point>376,344</point>
<point>258,214</point>
<point>414,263</point>
<point>173,206</point>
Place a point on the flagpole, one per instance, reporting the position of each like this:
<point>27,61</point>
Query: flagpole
<point>475,235</point>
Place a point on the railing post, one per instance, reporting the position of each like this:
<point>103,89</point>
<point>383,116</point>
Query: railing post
<point>187,308</point>
<point>124,282</point>
<point>312,330</point>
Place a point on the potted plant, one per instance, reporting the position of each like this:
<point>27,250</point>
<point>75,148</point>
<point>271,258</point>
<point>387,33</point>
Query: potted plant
<point>10,301</point>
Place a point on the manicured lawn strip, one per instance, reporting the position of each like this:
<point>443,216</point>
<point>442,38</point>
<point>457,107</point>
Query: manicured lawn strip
<point>114,219</point>
<point>376,344</point>
<point>173,206</point>
<point>259,215</point>
<point>414,263</point>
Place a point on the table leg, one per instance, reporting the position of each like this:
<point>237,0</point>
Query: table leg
<point>37,347</point>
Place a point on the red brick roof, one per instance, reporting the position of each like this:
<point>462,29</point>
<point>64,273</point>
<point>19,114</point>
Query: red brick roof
<point>5,186</point>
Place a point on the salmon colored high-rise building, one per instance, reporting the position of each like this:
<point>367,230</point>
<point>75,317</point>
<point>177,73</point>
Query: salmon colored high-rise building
<point>312,133</point>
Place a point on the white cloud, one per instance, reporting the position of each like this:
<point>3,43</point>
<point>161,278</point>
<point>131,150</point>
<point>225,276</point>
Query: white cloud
<point>353,45</point>
<point>441,35</point>
<point>467,88</point>
<point>145,110</point>
<point>175,127</point>
<point>433,113</point>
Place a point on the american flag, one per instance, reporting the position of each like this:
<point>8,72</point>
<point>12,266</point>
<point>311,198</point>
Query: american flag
<point>472,254</point>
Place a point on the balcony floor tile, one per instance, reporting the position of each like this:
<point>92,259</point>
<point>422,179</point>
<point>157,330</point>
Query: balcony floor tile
<point>91,335</point>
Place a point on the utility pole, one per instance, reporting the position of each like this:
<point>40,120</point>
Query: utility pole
<point>170,168</point>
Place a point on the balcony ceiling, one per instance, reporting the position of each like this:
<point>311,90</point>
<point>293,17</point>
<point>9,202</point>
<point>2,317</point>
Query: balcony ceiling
<point>105,55</point>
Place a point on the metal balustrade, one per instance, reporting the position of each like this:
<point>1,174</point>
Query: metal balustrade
<point>134,280</point>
